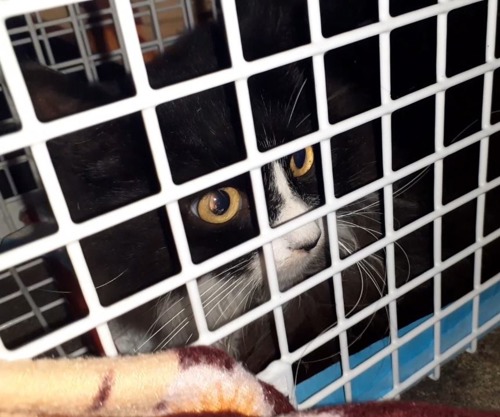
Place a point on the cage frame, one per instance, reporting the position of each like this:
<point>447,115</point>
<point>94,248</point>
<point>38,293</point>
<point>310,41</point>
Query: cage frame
<point>34,134</point>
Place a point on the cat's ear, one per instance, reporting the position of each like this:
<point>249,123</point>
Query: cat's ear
<point>56,95</point>
<point>196,53</point>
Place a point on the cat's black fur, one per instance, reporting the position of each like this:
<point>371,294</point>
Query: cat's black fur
<point>110,165</point>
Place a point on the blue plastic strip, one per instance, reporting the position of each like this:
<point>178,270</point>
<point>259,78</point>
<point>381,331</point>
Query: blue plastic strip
<point>376,381</point>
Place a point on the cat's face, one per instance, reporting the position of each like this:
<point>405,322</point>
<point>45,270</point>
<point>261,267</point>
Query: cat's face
<point>200,136</point>
<point>202,133</point>
<point>221,217</point>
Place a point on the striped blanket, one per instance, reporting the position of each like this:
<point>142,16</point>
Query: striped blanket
<point>194,381</point>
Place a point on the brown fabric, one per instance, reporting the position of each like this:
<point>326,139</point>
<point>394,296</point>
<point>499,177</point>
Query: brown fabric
<point>401,409</point>
<point>195,381</point>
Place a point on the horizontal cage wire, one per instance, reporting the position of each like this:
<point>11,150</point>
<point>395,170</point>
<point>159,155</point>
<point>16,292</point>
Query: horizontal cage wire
<point>366,238</point>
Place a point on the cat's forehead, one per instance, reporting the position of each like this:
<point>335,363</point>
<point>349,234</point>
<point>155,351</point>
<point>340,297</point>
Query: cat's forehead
<point>202,132</point>
<point>200,140</point>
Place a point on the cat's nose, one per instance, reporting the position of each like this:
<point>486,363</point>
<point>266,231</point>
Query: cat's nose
<point>307,246</point>
<point>304,238</point>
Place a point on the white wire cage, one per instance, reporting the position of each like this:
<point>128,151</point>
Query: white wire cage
<point>39,318</point>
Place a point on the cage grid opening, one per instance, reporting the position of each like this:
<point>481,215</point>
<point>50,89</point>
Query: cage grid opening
<point>176,172</point>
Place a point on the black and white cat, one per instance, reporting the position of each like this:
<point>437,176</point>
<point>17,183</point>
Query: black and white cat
<point>110,165</point>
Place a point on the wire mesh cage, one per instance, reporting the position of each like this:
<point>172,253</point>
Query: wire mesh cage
<point>309,186</point>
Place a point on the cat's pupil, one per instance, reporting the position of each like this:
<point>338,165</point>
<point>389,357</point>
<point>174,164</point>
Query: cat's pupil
<point>299,158</point>
<point>219,202</point>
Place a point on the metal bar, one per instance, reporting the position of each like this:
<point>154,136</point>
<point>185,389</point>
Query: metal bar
<point>31,314</point>
<point>35,134</point>
<point>35,40</point>
<point>155,26</point>
<point>42,34</point>
<point>483,158</point>
<point>438,178</point>
<point>82,43</point>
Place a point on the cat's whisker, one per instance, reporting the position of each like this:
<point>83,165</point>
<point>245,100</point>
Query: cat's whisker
<point>342,245</point>
<point>157,303</point>
<point>370,275</point>
<point>222,292</point>
<point>246,298</point>
<point>223,312</point>
<point>218,301</point>
<point>159,316</point>
<point>188,339</point>
<point>380,290</point>
<point>365,268</point>
<point>250,298</point>
<point>289,102</point>
<point>227,281</point>
<point>377,256</point>
<point>363,208</point>
<point>338,92</point>
<point>361,213</point>
<point>170,306</point>
<point>296,100</point>
<point>418,177</point>
<point>211,278</point>
<point>161,328</point>
<point>345,247</point>
<point>51,291</point>
<point>375,233</point>
<point>365,329</point>
<point>112,279</point>
<point>361,292</point>
<point>161,299</point>
<point>172,334</point>
<point>303,120</point>
<point>467,128</point>
<point>349,251</point>
<point>407,261</point>
<point>225,276</point>
<point>225,286</point>
<point>413,181</point>
<point>362,266</point>
<point>221,296</point>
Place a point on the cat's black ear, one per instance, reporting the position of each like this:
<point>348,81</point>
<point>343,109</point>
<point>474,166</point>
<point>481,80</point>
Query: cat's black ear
<point>197,53</point>
<point>56,95</point>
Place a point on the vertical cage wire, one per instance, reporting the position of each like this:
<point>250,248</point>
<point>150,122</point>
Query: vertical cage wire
<point>483,158</point>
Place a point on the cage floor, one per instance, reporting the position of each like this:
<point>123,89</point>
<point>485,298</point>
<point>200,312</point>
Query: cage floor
<point>467,381</point>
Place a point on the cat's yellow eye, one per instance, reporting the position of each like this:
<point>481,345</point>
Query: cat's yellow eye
<point>302,161</point>
<point>219,206</point>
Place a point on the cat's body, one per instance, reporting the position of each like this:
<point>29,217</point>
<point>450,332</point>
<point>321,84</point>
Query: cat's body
<point>108,166</point>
